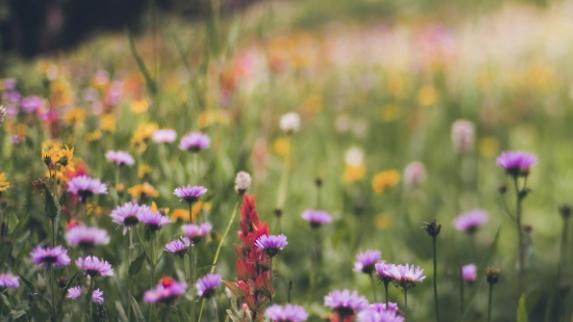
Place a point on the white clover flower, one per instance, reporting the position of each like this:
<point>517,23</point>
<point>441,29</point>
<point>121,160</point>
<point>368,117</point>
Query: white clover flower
<point>242,182</point>
<point>290,122</point>
<point>354,156</point>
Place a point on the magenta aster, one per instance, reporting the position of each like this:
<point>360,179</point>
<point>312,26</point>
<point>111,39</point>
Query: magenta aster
<point>345,303</point>
<point>366,260</point>
<point>120,158</point>
<point>196,232</point>
<point>164,136</point>
<point>207,285</point>
<point>85,236</point>
<point>407,276</point>
<point>516,163</point>
<point>194,142</point>
<point>286,313</point>
<point>56,257</point>
<point>151,219</point>
<point>178,246</point>
<point>167,291</point>
<point>190,193</point>
<point>8,280</point>
<point>74,293</point>
<point>31,104</point>
<point>126,215</point>
<point>469,273</point>
<point>470,221</point>
<point>94,266</point>
<point>271,244</point>
<point>85,187</point>
<point>97,296</point>
<point>316,218</point>
<point>372,315</point>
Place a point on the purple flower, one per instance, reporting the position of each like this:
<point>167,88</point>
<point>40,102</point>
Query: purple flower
<point>166,291</point>
<point>381,307</point>
<point>74,293</point>
<point>8,280</point>
<point>516,163</point>
<point>151,219</point>
<point>97,296</point>
<point>190,193</point>
<point>196,232</point>
<point>386,271</point>
<point>85,236</point>
<point>469,273</point>
<point>271,244</point>
<point>94,266</point>
<point>194,142</point>
<point>31,104</point>
<point>316,218</point>
<point>164,136</point>
<point>120,158</point>
<point>126,214</point>
<point>365,261</point>
<point>286,313</point>
<point>56,257</point>
<point>407,276</point>
<point>178,246</point>
<point>470,221</point>
<point>207,285</point>
<point>371,314</point>
<point>345,302</point>
<point>85,187</point>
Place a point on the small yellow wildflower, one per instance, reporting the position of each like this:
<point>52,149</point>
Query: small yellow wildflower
<point>488,147</point>
<point>354,172</point>
<point>183,214</point>
<point>390,112</point>
<point>53,154</point>
<point>94,136</point>
<point>281,147</point>
<point>143,133</point>
<point>4,183</point>
<point>312,104</point>
<point>212,117</point>
<point>143,191</point>
<point>385,180</point>
<point>107,123</point>
<point>139,106</point>
<point>143,170</point>
<point>427,96</point>
<point>74,116</point>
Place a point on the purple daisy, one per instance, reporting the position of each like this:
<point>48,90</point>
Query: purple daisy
<point>345,303</point>
<point>85,187</point>
<point>178,246</point>
<point>8,280</point>
<point>470,221</point>
<point>164,136</point>
<point>207,285</point>
<point>166,291</point>
<point>74,293</point>
<point>286,313</point>
<point>196,233</point>
<point>407,276</point>
<point>56,257</point>
<point>120,158</point>
<point>316,218</point>
<point>469,273</point>
<point>381,307</point>
<point>31,104</point>
<point>190,193</point>
<point>126,214</point>
<point>94,266</point>
<point>194,142</point>
<point>366,260</point>
<point>271,244</point>
<point>516,163</point>
<point>97,296</point>
<point>151,219</point>
<point>386,272</point>
<point>85,236</point>
<point>370,315</point>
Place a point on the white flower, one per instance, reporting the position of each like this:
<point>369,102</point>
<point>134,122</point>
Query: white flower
<point>242,182</point>
<point>290,122</point>
<point>463,136</point>
<point>354,156</point>
<point>2,113</point>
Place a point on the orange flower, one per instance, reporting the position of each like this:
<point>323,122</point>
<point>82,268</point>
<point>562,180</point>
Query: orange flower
<point>385,180</point>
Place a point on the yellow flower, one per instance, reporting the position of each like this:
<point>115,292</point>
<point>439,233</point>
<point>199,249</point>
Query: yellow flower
<point>385,180</point>
<point>427,96</point>
<point>143,170</point>
<point>107,123</point>
<point>383,221</point>
<point>312,104</point>
<point>139,106</point>
<point>281,147</point>
<point>212,117</point>
<point>183,214</point>
<point>143,191</point>
<point>74,116</point>
<point>93,136</point>
<point>4,183</point>
<point>488,147</point>
<point>390,112</point>
<point>353,173</point>
<point>53,154</point>
<point>143,133</point>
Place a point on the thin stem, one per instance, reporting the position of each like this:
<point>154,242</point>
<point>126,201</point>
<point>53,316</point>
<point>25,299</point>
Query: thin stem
<point>386,282</point>
<point>53,295</point>
<point>436,301</point>
<point>224,237</point>
<point>201,310</point>
<point>373,284</point>
<point>53,222</point>
<point>489,302</point>
<point>521,249</point>
<point>461,291</point>
<point>405,304</point>
<point>215,310</point>
<point>271,278</point>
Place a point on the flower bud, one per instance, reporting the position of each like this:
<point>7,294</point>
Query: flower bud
<point>492,275</point>
<point>414,174</point>
<point>432,228</point>
<point>565,211</point>
<point>463,136</point>
<point>242,182</point>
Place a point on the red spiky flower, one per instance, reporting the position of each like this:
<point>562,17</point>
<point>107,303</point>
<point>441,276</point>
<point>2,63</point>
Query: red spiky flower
<point>253,285</point>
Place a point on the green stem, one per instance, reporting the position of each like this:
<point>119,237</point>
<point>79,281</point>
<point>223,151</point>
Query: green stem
<point>386,282</point>
<point>53,222</point>
<point>405,304</point>
<point>201,310</point>
<point>435,260</point>
<point>489,302</point>
<point>521,248</point>
<point>461,291</point>
<point>53,295</point>
<point>373,284</point>
<point>224,237</point>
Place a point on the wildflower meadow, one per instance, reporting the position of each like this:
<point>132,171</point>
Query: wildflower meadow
<point>291,161</point>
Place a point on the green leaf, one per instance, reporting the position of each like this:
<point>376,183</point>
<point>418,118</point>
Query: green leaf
<point>121,312</point>
<point>521,310</point>
<point>137,310</point>
<point>50,206</point>
<point>136,264</point>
